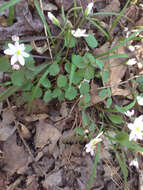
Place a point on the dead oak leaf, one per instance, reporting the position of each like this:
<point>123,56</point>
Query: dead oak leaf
<point>6,129</point>
<point>15,157</point>
<point>46,134</point>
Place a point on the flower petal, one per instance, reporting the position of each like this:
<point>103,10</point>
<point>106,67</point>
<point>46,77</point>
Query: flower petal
<point>21,60</point>
<point>24,54</point>
<point>12,47</point>
<point>99,134</point>
<point>13,59</point>
<point>9,52</point>
<point>131,126</point>
<point>21,47</point>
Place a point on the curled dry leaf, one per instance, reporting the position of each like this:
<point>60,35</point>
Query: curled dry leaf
<point>25,131</point>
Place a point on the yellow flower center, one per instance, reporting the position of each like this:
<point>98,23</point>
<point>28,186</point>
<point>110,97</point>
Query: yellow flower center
<point>94,143</point>
<point>138,129</point>
<point>18,52</point>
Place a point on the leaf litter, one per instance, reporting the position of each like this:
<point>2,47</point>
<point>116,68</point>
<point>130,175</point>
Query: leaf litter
<point>38,153</point>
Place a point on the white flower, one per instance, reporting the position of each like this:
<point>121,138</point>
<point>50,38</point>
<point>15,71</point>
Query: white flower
<point>136,129</point>
<point>134,163</point>
<point>131,62</point>
<point>91,145</point>
<point>53,19</point>
<point>88,10</point>
<point>131,48</point>
<point>129,113</point>
<point>140,100</point>
<point>17,52</point>
<point>79,33</point>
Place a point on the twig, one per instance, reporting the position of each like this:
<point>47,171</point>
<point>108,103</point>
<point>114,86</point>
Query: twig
<point>117,84</point>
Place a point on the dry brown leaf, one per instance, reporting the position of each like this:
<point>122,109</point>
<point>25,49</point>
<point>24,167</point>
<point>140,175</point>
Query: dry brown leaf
<point>46,134</point>
<point>15,157</point>
<point>64,110</point>
<point>114,6</point>
<point>117,69</point>
<point>6,129</point>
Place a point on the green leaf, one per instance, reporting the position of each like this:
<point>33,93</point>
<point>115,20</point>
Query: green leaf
<point>54,69</point>
<point>61,81</point>
<point>28,48</point>
<point>79,131</point>
<point>8,4</point>
<point>71,93</point>
<point>27,87</point>
<point>47,96</point>
<point>103,93</point>
<point>77,60</point>
<point>89,58</point>
<point>76,78</point>
<point>26,96</point>
<point>56,92</point>
<point>46,83</point>
<point>117,119</point>
<point>100,64</point>
<point>89,73</point>
<point>68,67</point>
<point>85,118</point>
<point>91,41</point>
<point>86,98</point>
<point>4,64</point>
<point>109,102</point>
<point>105,76</point>
<point>38,92</point>
<point>17,77</point>
<point>84,88</point>
<point>125,108</point>
<point>29,75</point>
<point>70,41</point>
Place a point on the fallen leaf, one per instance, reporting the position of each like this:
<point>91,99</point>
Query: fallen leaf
<point>54,179</point>
<point>116,68</point>
<point>114,6</point>
<point>64,110</point>
<point>6,129</point>
<point>27,22</point>
<point>15,157</point>
<point>46,134</point>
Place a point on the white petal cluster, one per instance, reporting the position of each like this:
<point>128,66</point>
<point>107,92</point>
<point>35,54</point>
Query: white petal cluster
<point>17,52</point>
<point>53,19</point>
<point>89,8</point>
<point>134,163</point>
<point>136,129</point>
<point>140,100</point>
<point>129,113</point>
<point>131,62</point>
<point>79,33</point>
<point>90,147</point>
